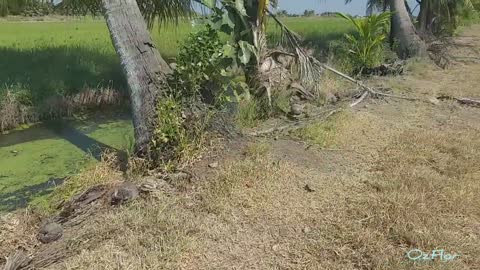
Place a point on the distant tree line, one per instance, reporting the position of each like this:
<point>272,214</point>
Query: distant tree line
<point>306,13</point>
<point>25,7</point>
<point>32,8</point>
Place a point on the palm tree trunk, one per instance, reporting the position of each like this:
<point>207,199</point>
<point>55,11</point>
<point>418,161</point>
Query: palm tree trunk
<point>142,65</point>
<point>409,44</point>
<point>425,16</point>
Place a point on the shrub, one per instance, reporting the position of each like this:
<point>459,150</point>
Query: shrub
<point>366,47</point>
<point>199,71</point>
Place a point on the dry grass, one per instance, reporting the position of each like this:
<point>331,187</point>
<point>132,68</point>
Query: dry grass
<point>105,172</point>
<point>419,192</point>
<point>150,234</point>
<point>17,231</point>
<point>13,113</point>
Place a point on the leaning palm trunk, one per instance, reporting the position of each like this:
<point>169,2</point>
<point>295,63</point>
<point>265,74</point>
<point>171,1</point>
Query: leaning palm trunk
<point>144,68</point>
<point>403,33</point>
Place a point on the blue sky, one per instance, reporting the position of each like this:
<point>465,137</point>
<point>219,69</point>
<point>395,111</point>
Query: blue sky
<point>357,7</point>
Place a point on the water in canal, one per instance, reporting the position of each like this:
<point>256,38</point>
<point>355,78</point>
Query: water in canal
<point>35,159</point>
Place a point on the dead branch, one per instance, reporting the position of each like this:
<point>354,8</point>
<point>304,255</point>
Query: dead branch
<point>295,125</point>
<point>468,102</point>
<point>463,101</point>
<point>362,97</point>
<point>367,89</point>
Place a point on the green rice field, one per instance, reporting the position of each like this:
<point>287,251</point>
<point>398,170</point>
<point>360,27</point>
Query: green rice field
<point>64,57</point>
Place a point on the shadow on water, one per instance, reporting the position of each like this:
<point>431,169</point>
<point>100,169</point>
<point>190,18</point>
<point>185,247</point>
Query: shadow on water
<point>20,198</point>
<point>54,129</point>
<point>83,142</point>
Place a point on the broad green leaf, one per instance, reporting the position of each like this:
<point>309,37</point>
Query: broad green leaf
<point>209,3</point>
<point>226,20</point>
<point>228,51</point>
<point>240,6</point>
<point>245,52</point>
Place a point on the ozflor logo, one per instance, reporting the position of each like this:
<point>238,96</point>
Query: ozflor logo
<point>440,254</point>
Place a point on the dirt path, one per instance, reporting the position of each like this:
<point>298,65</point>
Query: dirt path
<point>398,175</point>
<point>389,177</point>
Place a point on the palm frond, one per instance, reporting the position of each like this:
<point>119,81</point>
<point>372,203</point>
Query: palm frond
<point>161,11</point>
<point>310,68</point>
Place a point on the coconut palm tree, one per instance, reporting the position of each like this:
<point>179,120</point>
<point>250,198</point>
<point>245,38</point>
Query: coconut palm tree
<point>434,13</point>
<point>402,32</point>
<point>142,64</point>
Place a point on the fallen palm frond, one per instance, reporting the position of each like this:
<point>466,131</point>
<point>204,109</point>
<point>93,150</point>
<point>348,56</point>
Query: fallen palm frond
<point>368,90</point>
<point>17,261</point>
<point>310,69</point>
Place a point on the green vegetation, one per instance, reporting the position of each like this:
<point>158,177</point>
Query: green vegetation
<point>25,8</point>
<point>366,47</point>
<point>323,133</point>
<point>199,66</point>
<point>176,137</point>
<point>249,113</point>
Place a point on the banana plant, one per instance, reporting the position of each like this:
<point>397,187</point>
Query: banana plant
<point>245,22</point>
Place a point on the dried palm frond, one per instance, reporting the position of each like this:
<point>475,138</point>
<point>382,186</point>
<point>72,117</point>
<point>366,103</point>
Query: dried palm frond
<point>310,69</point>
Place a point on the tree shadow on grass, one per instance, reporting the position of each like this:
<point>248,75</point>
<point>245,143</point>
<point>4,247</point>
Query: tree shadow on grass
<point>46,72</point>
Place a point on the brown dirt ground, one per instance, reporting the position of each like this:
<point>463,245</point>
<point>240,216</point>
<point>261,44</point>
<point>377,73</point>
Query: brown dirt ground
<point>388,176</point>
